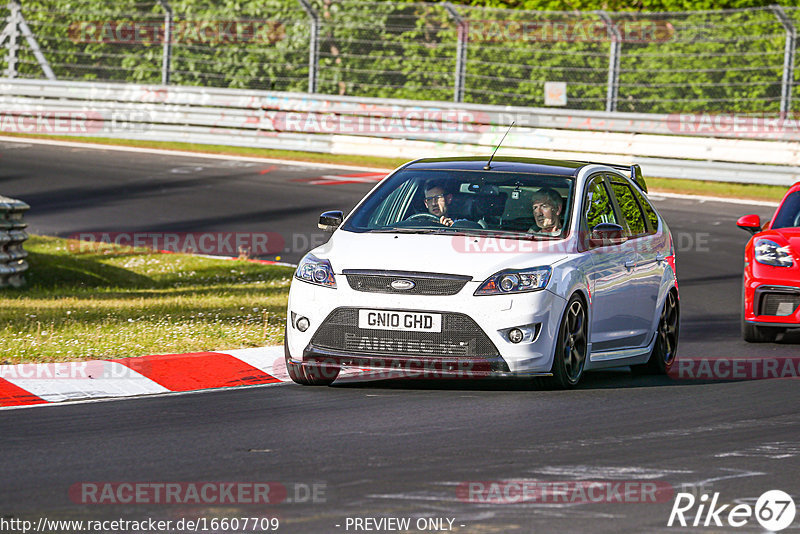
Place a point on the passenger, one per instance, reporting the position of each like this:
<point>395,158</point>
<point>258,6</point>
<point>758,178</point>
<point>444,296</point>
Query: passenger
<point>546,204</point>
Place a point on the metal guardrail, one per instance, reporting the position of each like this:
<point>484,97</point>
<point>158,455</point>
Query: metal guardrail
<point>671,146</point>
<point>12,236</point>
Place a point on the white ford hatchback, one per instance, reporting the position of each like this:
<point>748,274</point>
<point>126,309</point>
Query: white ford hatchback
<point>518,267</point>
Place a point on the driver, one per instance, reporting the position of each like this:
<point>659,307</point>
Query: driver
<point>438,200</point>
<point>546,206</point>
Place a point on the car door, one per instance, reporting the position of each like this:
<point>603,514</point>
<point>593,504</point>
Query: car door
<point>645,278</point>
<point>610,272</point>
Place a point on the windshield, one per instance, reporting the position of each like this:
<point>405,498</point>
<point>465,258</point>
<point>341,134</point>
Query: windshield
<point>789,215</point>
<point>441,201</point>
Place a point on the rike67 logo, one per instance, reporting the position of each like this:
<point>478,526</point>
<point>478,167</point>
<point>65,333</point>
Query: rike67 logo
<point>774,510</point>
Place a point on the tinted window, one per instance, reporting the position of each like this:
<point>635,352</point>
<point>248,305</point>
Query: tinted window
<point>630,208</point>
<point>649,212</point>
<point>789,215</point>
<point>599,208</point>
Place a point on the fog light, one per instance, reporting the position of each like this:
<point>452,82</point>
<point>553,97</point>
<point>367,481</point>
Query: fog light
<point>302,324</point>
<point>515,335</point>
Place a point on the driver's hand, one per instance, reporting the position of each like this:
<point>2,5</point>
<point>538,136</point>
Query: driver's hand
<point>445,221</point>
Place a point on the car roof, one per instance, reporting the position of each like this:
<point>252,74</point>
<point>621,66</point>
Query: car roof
<point>500,164</point>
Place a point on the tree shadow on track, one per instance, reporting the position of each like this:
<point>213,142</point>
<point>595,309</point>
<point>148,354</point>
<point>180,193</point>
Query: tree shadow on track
<point>617,378</point>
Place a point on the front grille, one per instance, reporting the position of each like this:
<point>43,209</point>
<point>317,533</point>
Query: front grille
<point>779,304</point>
<point>460,337</point>
<point>424,283</point>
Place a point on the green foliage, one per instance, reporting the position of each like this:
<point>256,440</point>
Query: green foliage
<point>669,62</point>
<point>617,5</point>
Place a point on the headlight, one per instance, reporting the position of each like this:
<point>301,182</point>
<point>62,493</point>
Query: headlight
<point>315,271</point>
<point>506,282</point>
<point>770,253</point>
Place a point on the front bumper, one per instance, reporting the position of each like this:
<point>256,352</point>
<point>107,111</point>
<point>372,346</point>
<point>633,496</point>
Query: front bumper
<point>537,313</point>
<point>771,295</point>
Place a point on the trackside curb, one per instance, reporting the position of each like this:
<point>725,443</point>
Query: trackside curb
<point>48,383</point>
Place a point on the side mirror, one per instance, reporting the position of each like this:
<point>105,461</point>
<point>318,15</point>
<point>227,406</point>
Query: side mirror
<point>606,234</point>
<point>750,223</point>
<point>330,220</point>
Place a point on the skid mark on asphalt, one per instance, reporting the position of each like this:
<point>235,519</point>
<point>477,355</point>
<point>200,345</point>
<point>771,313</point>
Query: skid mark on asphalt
<point>777,450</point>
<point>788,421</point>
<point>580,472</point>
<point>731,474</point>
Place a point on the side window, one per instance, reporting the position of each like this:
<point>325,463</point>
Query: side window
<point>630,208</point>
<point>598,205</point>
<point>649,212</point>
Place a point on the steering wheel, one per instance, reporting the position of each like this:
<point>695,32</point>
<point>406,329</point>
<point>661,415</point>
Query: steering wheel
<point>424,216</point>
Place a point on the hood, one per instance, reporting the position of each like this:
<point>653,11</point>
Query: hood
<point>479,257</point>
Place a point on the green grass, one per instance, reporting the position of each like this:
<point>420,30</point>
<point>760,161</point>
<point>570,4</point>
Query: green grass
<point>114,303</point>
<point>691,187</point>
<point>717,189</point>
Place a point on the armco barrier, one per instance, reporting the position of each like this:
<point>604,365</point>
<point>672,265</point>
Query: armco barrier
<point>12,236</point>
<point>741,149</point>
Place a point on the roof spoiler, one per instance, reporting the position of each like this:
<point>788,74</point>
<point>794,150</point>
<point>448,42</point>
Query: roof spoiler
<point>634,170</point>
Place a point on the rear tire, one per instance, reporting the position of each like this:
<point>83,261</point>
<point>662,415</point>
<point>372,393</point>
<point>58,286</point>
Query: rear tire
<point>665,349</point>
<point>571,346</point>
<point>308,374</point>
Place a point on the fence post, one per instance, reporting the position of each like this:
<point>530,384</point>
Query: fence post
<point>461,51</point>
<point>11,34</point>
<point>166,56</point>
<point>614,52</point>
<point>16,25</point>
<point>788,59</point>
<point>313,46</point>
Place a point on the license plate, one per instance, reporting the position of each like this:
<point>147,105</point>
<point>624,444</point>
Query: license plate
<point>399,320</point>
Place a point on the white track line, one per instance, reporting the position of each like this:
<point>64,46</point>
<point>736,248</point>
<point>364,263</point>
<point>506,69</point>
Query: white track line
<point>183,153</point>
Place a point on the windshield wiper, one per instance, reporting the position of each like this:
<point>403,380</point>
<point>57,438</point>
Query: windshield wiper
<point>405,230</point>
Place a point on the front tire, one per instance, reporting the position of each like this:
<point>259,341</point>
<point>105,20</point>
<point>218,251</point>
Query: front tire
<point>758,334</point>
<point>308,374</point>
<point>571,346</point>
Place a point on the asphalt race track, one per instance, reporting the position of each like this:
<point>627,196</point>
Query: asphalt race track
<point>395,449</point>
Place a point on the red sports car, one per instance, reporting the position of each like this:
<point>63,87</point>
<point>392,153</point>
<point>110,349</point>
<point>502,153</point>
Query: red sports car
<point>771,294</point>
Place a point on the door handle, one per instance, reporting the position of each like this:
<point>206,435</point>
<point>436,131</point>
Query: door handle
<point>630,264</point>
<point>660,257</point>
